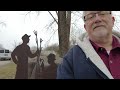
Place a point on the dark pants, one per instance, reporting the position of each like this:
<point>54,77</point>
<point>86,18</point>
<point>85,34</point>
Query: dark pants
<point>22,73</point>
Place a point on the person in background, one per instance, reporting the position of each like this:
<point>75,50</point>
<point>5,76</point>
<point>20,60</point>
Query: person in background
<point>20,57</point>
<point>50,72</point>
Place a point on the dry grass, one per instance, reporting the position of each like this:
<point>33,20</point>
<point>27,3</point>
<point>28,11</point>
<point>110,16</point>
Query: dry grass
<point>8,71</point>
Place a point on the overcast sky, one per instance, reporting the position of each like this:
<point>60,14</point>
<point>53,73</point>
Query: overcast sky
<point>17,25</point>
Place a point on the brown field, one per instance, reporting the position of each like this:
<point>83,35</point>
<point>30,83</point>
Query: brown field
<point>8,71</point>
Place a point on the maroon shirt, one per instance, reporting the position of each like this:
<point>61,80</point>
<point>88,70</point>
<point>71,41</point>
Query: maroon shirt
<point>111,60</point>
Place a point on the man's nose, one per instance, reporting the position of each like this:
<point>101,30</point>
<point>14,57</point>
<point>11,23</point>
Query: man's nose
<point>97,18</point>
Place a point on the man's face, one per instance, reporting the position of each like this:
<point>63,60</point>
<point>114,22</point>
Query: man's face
<point>98,23</point>
<point>26,40</point>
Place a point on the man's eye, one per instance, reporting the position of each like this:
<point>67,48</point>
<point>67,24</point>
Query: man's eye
<point>90,16</point>
<point>102,13</point>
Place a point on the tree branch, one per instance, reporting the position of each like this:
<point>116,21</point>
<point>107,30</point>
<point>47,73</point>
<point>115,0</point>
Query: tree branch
<point>53,17</point>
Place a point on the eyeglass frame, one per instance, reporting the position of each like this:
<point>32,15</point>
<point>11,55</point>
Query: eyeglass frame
<point>94,15</point>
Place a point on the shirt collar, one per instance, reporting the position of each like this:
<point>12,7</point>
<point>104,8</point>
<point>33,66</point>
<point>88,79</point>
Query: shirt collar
<point>96,47</point>
<point>115,44</point>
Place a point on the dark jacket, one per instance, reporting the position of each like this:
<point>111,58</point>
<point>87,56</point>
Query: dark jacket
<point>76,65</point>
<point>83,62</point>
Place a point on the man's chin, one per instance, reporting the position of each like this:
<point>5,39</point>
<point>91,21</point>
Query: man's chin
<point>100,33</point>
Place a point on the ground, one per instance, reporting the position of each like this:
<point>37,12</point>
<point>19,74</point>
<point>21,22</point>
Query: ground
<point>8,68</point>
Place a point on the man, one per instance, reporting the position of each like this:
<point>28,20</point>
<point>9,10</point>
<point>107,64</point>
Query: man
<point>20,57</point>
<point>97,53</point>
<point>50,71</point>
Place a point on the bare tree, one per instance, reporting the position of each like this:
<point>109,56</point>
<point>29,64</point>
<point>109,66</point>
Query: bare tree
<point>64,23</point>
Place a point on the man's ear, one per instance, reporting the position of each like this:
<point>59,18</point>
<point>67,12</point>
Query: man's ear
<point>85,26</point>
<point>113,18</point>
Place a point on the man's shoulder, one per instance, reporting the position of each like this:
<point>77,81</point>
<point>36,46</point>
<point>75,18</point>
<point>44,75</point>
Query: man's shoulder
<point>75,47</point>
<point>17,47</point>
<point>75,50</point>
<point>27,46</point>
<point>22,47</point>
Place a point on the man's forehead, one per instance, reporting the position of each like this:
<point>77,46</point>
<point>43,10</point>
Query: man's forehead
<point>87,12</point>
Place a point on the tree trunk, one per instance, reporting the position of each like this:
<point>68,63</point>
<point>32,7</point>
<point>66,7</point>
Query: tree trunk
<point>64,21</point>
<point>68,25</point>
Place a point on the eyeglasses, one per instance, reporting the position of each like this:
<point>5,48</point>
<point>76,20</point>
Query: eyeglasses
<point>93,15</point>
